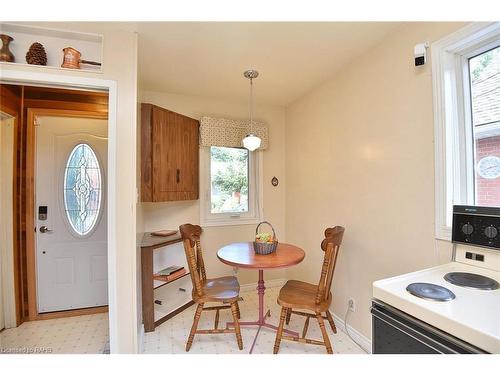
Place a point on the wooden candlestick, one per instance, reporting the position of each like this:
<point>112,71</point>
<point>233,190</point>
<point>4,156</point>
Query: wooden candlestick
<point>5,53</point>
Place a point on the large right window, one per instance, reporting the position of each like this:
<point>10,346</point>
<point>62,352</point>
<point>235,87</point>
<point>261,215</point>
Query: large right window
<point>484,78</point>
<point>466,88</point>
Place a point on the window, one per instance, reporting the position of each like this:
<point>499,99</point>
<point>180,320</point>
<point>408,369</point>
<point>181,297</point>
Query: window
<point>230,192</point>
<point>484,72</point>
<point>82,189</point>
<point>466,80</point>
<point>228,180</point>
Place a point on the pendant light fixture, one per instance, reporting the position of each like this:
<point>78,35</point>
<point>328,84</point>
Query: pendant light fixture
<point>251,142</point>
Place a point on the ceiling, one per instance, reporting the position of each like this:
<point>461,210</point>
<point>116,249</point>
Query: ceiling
<point>208,58</point>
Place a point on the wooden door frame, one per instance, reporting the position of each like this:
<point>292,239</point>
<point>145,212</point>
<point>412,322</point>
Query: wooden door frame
<point>32,114</point>
<point>18,300</point>
<point>123,333</point>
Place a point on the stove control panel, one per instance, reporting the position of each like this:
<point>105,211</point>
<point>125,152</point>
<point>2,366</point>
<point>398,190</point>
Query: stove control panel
<point>477,226</point>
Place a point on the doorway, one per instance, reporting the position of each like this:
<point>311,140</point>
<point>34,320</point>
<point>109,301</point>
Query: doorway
<point>59,209</point>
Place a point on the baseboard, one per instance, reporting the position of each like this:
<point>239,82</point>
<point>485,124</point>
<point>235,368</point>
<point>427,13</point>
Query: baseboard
<point>361,339</point>
<point>269,284</point>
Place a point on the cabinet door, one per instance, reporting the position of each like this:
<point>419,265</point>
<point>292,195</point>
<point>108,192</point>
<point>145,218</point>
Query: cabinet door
<point>175,156</point>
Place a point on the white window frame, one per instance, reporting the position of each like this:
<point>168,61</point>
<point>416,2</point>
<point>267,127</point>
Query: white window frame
<point>255,198</point>
<point>454,146</point>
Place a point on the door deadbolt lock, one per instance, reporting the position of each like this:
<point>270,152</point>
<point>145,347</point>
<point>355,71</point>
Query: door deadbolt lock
<point>42,212</point>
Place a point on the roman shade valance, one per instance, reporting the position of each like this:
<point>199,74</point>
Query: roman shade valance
<point>229,133</point>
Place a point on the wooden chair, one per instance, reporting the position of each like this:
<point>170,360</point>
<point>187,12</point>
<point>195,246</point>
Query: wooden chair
<point>224,290</point>
<point>316,298</point>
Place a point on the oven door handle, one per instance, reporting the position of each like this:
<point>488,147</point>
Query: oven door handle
<point>409,331</point>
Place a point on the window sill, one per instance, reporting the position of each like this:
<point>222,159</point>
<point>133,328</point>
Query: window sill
<point>228,222</point>
<point>443,234</point>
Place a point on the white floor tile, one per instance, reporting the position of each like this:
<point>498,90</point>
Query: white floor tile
<point>79,334</point>
<point>89,334</point>
<point>171,336</point>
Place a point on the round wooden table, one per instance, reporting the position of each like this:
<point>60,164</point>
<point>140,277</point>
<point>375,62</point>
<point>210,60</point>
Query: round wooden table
<point>242,255</point>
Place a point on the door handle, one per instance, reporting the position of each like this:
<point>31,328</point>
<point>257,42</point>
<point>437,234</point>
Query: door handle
<point>178,176</point>
<point>44,229</point>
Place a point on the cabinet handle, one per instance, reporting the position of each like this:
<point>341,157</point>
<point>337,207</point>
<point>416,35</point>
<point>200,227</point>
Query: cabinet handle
<point>178,176</point>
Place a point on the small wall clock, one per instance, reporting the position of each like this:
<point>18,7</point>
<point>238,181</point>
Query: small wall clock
<point>489,167</point>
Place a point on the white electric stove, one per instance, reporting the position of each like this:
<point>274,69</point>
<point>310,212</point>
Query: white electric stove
<point>452,308</point>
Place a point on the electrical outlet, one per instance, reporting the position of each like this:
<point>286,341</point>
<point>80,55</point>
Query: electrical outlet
<point>352,304</point>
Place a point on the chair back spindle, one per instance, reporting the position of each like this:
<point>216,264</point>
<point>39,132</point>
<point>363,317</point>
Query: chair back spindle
<point>331,246</point>
<point>192,247</point>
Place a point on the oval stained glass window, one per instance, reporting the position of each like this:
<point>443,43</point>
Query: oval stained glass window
<point>82,189</point>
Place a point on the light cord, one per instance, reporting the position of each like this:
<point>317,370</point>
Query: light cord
<point>251,105</point>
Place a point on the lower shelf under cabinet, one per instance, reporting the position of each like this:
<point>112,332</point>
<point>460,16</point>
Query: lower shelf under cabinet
<point>172,295</point>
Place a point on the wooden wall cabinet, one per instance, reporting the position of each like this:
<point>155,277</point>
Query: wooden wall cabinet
<point>169,155</point>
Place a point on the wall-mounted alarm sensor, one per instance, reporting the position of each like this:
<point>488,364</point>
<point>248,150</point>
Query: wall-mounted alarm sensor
<point>421,53</point>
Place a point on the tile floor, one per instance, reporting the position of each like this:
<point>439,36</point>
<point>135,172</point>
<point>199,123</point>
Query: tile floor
<point>89,334</point>
<point>171,336</point>
<point>79,334</point>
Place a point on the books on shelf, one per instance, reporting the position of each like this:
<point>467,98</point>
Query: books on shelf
<point>169,270</point>
<point>170,273</point>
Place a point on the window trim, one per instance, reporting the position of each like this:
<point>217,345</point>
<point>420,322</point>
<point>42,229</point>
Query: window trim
<point>254,216</point>
<point>452,125</point>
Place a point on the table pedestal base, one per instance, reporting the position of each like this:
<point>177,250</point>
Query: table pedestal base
<point>262,317</point>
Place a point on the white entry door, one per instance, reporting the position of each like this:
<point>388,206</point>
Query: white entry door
<point>71,214</point>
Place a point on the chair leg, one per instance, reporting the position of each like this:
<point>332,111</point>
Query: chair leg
<point>306,326</point>
<point>234,311</point>
<point>326,339</point>
<point>197,315</point>
<point>238,310</point>
<point>330,320</point>
<point>288,315</point>
<point>216,324</point>
<point>279,333</point>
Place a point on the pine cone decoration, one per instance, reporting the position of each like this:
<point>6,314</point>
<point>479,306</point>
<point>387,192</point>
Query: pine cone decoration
<point>36,55</point>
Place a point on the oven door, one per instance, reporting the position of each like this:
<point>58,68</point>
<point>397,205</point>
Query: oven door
<point>394,332</point>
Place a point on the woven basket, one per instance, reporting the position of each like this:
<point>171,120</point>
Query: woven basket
<point>264,248</point>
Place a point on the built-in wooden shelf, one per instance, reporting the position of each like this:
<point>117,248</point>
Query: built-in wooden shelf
<point>160,283</point>
<point>176,294</point>
<point>53,40</point>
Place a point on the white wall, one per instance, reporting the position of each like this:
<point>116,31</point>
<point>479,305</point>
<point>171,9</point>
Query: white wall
<point>120,65</point>
<point>170,215</point>
<point>360,153</point>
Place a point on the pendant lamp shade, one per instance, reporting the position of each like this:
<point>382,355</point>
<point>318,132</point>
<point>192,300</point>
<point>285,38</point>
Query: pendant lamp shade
<point>251,142</point>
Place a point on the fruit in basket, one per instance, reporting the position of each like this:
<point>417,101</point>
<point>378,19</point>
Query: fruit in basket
<point>264,237</point>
